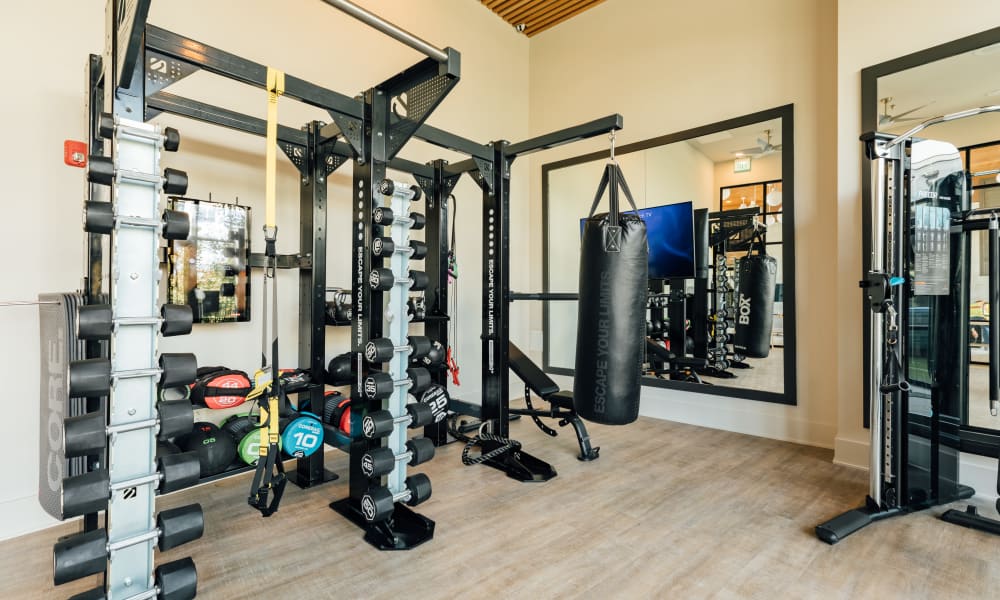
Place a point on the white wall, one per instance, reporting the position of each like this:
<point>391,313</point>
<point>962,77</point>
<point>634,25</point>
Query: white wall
<point>306,38</point>
<point>670,66</point>
<point>916,25</point>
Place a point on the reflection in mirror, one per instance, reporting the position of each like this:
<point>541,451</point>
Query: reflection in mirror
<point>210,270</point>
<point>716,211</point>
<point>951,84</point>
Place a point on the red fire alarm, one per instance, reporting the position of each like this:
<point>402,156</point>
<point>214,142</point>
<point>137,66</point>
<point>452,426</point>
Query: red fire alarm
<point>75,153</point>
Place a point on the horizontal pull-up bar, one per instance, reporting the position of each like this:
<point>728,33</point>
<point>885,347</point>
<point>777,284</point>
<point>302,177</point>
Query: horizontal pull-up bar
<point>389,29</point>
<point>542,296</point>
<point>962,114</point>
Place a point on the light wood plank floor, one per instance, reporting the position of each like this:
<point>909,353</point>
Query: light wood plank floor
<point>668,511</point>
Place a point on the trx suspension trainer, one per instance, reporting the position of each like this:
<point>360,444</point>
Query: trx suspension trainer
<point>270,474</point>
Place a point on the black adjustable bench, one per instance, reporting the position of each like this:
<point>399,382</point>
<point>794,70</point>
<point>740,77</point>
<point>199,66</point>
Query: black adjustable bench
<point>560,401</point>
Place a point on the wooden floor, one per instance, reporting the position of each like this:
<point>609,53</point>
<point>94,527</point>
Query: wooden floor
<point>668,511</point>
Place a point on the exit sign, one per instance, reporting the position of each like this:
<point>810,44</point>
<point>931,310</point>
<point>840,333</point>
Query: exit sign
<point>741,164</point>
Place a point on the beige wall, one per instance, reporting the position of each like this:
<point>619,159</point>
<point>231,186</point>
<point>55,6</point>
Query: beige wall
<point>767,168</point>
<point>670,66</point>
<point>44,239</point>
<point>916,25</point>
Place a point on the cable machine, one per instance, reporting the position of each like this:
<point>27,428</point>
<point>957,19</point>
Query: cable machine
<point>917,287</point>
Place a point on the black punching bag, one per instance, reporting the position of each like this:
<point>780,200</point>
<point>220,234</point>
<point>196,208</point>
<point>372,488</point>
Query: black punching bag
<point>611,324</point>
<point>755,305</point>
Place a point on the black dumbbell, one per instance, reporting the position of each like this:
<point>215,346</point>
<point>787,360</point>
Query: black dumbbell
<point>96,322</point>
<point>383,279</point>
<point>388,187</point>
<point>380,423</point>
<point>381,350</point>
<point>79,555</point>
<point>106,129</point>
<point>380,385</point>
<point>85,435</point>
<point>89,492</point>
<point>384,246</point>
<point>382,461</point>
<point>99,217</point>
<point>102,171</point>
<point>383,215</point>
<point>378,503</point>
<point>91,377</point>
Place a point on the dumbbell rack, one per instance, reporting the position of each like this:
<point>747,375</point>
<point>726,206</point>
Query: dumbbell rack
<point>127,431</point>
<point>396,325</point>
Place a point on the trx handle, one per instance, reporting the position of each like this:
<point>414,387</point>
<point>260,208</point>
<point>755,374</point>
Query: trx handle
<point>270,473</point>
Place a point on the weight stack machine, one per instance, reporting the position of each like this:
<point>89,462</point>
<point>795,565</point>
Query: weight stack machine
<point>916,290</point>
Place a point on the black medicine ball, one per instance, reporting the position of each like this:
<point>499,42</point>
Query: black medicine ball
<point>215,447</point>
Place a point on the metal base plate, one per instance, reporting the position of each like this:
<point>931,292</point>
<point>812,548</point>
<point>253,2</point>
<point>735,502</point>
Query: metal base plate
<point>405,530</point>
<point>521,466</point>
<point>303,481</point>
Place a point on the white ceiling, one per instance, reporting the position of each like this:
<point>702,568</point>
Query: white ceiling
<point>956,83</point>
<point>719,147</point>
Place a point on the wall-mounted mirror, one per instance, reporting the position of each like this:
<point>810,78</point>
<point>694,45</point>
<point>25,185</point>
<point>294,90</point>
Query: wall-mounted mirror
<point>210,270</point>
<point>898,94</point>
<point>718,205</point>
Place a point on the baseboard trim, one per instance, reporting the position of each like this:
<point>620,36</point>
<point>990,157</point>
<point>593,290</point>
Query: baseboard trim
<point>21,516</point>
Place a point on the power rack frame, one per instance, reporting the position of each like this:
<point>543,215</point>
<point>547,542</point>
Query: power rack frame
<point>368,132</point>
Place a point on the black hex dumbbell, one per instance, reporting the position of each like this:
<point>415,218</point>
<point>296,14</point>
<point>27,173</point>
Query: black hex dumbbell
<point>382,461</point>
<point>86,434</point>
<point>86,554</point>
<point>384,246</point>
<point>378,503</point>
<point>383,279</point>
<point>380,423</point>
<point>380,350</point>
<point>383,215</point>
<point>96,322</point>
<point>89,492</point>
<point>380,385</point>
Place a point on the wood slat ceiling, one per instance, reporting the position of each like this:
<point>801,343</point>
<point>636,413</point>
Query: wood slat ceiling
<point>538,15</point>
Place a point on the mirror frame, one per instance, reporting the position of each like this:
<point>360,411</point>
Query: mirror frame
<point>786,114</point>
<point>971,439</point>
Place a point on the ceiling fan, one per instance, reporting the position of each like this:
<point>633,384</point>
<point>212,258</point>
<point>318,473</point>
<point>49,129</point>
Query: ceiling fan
<point>885,119</point>
<point>763,147</point>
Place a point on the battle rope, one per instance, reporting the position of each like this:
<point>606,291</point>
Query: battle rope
<point>269,476</point>
<point>506,445</point>
<point>451,356</point>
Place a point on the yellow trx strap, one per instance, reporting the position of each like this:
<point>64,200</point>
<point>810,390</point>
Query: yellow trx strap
<point>269,475</point>
<point>275,89</point>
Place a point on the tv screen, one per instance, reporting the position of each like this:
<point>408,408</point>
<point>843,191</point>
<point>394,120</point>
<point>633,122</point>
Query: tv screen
<point>670,230</point>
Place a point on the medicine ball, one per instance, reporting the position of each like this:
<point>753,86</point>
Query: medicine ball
<point>238,426</point>
<point>337,411</point>
<point>302,436</point>
<point>249,448</point>
<point>338,372</point>
<point>215,448</point>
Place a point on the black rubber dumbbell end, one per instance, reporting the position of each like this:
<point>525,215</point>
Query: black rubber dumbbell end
<point>175,182</point>
<point>177,580</point>
<point>421,450</point>
<point>176,225</point>
<point>106,126</point>
<point>171,139</point>
<point>98,217</point>
<point>177,319</point>
<point>420,488</point>
<point>101,170</point>
<point>180,525</point>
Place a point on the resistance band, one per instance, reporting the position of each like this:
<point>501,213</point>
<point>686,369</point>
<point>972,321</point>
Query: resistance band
<point>270,473</point>
<point>451,356</point>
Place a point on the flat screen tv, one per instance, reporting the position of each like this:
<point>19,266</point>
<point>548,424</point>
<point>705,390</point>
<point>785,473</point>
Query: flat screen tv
<point>670,229</point>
